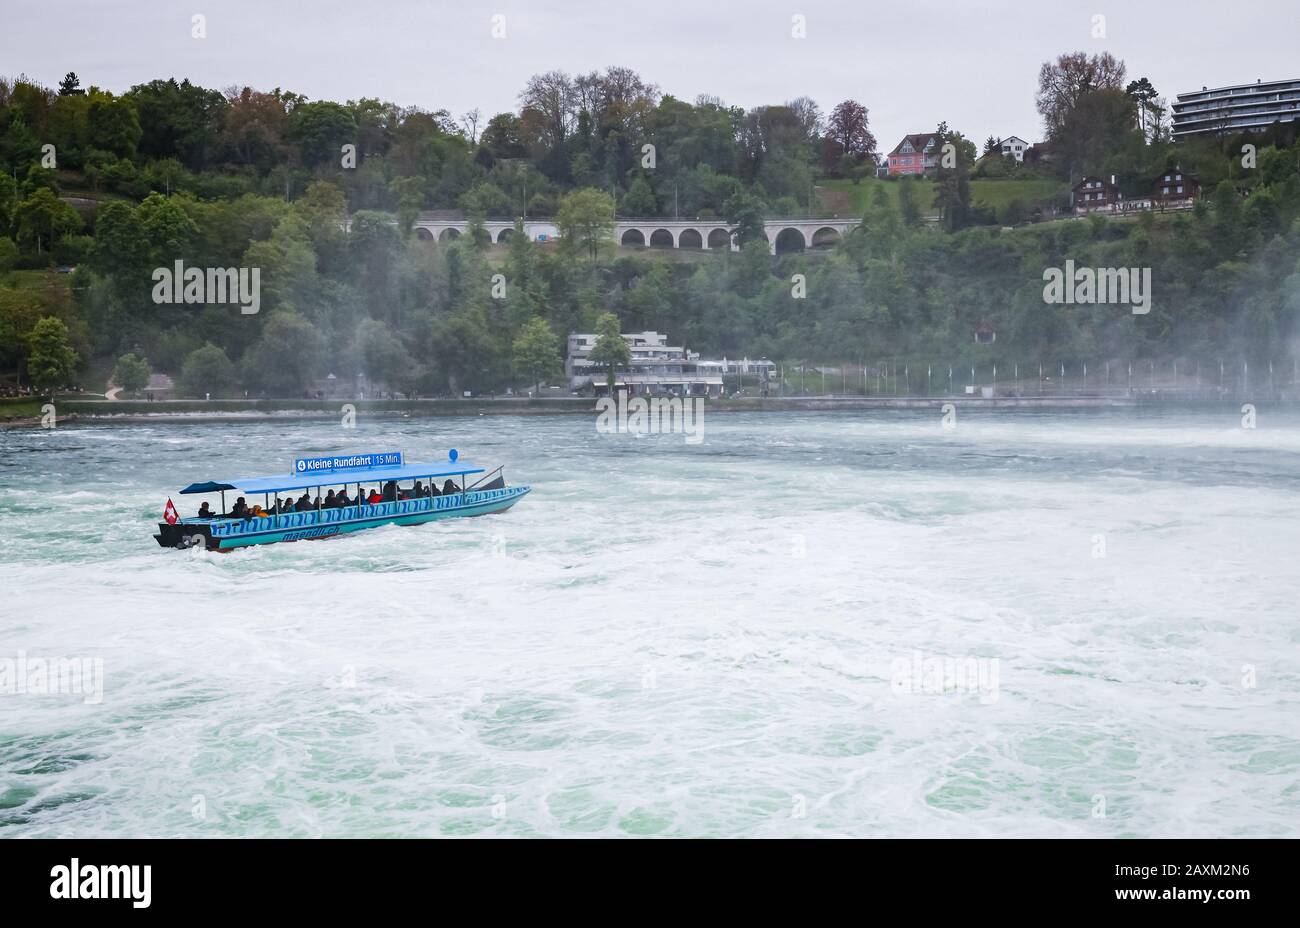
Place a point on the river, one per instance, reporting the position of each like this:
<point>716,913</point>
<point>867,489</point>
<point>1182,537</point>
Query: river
<point>761,634</point>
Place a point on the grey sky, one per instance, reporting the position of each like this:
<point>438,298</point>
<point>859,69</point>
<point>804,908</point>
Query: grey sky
<point>912,63</point>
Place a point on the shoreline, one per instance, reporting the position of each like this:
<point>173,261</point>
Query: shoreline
<point>227,411</point>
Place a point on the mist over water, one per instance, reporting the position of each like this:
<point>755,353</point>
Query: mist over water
<point>672,639</point>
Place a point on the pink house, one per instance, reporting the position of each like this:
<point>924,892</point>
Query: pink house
<point>916,154</point>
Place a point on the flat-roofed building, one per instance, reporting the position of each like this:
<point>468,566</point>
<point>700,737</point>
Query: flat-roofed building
<point>1239,108</point>
<point>656,368</point>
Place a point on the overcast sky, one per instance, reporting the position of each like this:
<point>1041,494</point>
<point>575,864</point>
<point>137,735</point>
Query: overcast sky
<point>912,64</point>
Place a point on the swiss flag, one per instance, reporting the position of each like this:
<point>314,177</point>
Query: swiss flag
<point>169,513</point>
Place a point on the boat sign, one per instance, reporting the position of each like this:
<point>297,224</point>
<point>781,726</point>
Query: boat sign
<point>348,462</point>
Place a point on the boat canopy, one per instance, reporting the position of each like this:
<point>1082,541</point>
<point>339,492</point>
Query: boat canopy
<point>208,487</point>
<point>274,483</point>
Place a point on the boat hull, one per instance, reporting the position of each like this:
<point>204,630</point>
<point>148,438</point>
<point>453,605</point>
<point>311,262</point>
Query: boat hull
<point>227,535</point>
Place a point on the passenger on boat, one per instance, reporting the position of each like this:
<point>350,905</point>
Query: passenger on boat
<point>417,491</point>
<point>331,500</point>
<point>240,509</point>
<point>205,512</point>
<point>390,491</point>
<point>374,497</point>
<point>342,498</point>
<point>303,504</point>
<point>449,488</point>
<point>433,488</point>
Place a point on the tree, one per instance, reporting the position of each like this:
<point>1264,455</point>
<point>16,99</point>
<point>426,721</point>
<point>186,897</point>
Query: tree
<point>51,361</point>
<point>1144,95</point>
<point>207,370</point>
<point>537,351</point>
<point>382,356</point>
<point>547,107</point>
<point>952,183</point>
<point>285,359</point>
<point>908,206</point>
<point>745,213</point>
<point>43,217</point>
<point>586,218</point>
<point>131,373</point>
<point>1061,84</point>
<point>70,86</point>
<point>320,130</point>
<point>112,125</point>
<point>848,127</point>
<point>611,349</point>
<point>640,200</point>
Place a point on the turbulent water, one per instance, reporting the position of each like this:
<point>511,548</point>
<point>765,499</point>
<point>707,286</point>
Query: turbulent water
<point>672,639</point>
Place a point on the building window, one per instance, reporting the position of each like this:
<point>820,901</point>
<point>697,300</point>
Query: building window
<point>1180,188</point>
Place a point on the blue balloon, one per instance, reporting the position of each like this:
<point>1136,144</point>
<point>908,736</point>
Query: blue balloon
<point>453,455</point>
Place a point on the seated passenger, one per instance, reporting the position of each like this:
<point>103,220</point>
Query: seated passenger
<point>374,498</point>
<point>433,488</point>
<point>449,487</point>
<point>240,509</point>
<point>342,498</point>
<point>331,500</point>
<point>303,504</point>
<point>417,491</point>
<point>205,512</point>
<point>390,491</point>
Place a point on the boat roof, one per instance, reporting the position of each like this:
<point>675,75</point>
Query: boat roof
<point>273,483</point>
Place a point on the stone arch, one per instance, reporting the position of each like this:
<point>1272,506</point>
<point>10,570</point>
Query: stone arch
<point>448,234</point>
<point>504,234</point>
<point>788,240</point>
<point>719,238</point>
<point>423,234</point>
<point>662,238</point>
<point>690,238</point>
<point>826,237</point>
<point>633,238</point>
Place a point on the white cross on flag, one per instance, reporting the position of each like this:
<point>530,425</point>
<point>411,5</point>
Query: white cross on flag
<point>169,513</point>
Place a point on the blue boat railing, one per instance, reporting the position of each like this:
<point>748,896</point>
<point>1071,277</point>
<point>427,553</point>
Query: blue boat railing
<point>224,528</point>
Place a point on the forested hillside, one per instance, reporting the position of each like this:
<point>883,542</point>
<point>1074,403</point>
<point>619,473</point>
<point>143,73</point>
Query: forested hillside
<point>119,185</point>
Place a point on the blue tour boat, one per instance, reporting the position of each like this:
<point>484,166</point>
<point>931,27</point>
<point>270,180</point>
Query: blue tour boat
<point>281,519</point>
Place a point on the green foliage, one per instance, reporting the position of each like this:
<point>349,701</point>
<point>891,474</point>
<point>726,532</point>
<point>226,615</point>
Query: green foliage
<point>131,373</point>
<point>51,360</point>
<point>610,349</point>
<point>586,218</point>
<point>208,370</point>
<point>536,351</point>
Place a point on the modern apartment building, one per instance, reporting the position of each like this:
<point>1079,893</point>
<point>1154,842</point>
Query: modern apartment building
<point>1241,108</point>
